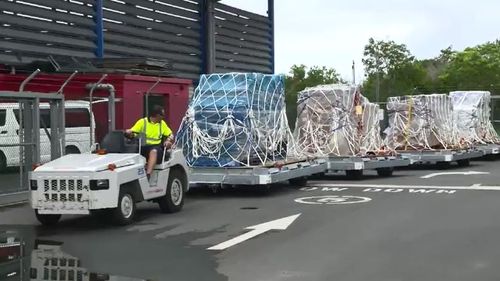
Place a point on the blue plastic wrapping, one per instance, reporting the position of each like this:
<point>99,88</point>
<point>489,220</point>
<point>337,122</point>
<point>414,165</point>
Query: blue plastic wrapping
<point>235,119</point>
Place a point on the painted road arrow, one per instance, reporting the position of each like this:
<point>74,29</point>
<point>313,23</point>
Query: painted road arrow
<point>453,173</point>
<point>279,224</point>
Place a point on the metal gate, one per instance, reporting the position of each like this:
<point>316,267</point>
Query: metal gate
<point>31,132</point>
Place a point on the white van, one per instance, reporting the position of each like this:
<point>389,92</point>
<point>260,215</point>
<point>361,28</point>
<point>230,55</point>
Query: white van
<point>77,118</point>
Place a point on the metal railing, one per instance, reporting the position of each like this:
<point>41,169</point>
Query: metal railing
<point>28,137</point>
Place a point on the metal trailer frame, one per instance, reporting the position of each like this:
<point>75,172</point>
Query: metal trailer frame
<point>461,156</point>
<point>489,149</point>
<point>353,166</point>
<point>258,175</point>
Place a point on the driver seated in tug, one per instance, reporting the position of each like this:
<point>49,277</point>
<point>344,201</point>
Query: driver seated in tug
<point>158,136</point>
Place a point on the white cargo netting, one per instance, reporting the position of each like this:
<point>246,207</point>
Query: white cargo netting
<point>471,113</point>
<point>420,122</point>
<point>236,119</point>
<point>336,120</point>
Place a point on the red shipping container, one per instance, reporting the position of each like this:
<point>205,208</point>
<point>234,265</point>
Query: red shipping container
<point>171,93</point>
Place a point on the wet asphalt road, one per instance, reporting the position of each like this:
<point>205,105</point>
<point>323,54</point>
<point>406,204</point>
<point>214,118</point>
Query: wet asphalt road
<point>403,228</point>
<point>9,180</point>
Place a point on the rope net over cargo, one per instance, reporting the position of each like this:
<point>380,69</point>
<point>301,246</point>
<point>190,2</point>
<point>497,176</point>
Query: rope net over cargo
<point>236,119</point>
<point>336,120</point>
<point>471,114</point>
<point>420,122</point>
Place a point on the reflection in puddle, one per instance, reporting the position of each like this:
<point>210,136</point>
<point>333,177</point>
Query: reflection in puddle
<point>24,258</point>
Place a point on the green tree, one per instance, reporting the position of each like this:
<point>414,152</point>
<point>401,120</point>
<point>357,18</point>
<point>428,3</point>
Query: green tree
<point>475,68</point>
<point>301,77</point>
<point>390,70</point>
<point>384,56</point>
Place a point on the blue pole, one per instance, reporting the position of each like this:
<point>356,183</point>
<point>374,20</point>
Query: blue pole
<point>203,35</point>
<point>270,15</point>
<point>99,29</point>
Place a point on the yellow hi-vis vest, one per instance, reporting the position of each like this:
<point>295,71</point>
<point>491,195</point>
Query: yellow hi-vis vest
<point>153,132</point>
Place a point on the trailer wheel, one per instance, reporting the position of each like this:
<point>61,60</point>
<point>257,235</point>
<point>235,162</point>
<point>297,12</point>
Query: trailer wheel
<point>173,201</point>
<point>463,163</point>
<point>125,212</point>
<point>489,157</point>
<point>354,174</point>
<point>264,189</point>
<point>443,165</point>
<point>47,220</point>
<point>385,172</point>
<point>298,182</point>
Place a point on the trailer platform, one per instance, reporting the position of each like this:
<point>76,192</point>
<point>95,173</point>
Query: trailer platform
<point>489,149</point>
<point>353,166</point>
<point>296,173</point>
<point>442,156</point>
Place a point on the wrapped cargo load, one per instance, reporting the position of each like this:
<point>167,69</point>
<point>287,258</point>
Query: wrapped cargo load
<point>420,122</point>
<point>336,120</point>
<point>234,120</point>
<point>471,113</point>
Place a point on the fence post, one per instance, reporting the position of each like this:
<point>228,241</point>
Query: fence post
<point>99,28</point>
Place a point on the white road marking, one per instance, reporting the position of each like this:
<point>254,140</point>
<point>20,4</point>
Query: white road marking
<point>279,224</point>
<point>442,187</point>
<point>332,200</point>
<point>453,173</point>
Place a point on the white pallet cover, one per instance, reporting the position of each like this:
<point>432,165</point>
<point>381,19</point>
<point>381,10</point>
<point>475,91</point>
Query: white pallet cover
<point>336,120</point>
<point>420,122</point>
<point>471,113</point>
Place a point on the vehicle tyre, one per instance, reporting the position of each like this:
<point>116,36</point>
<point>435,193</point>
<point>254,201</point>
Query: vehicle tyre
<point>125,212</point>
<point>47,220</point>
<point>3,162</point>
<point>463,163</point>
<point>354,174</point>
<point>173,200</point>
<point>72,150</point>
<point>298,182</point>
<point>385,172</point>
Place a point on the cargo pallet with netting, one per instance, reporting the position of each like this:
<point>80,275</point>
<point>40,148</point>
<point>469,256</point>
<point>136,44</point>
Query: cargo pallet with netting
<point>338,124</point>
<point>426,130</point>
<point>235,132</point>
<point>472,115</point>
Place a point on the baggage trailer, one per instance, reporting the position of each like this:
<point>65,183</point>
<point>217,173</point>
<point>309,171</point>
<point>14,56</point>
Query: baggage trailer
<point>354,166</point>
<point>489,149</point>
<point>294,172</point>
<point>442,157</point>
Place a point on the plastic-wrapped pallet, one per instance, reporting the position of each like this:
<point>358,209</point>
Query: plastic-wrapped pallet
<point>420,122</point>
<point>336,120</point>
<point>236,119</point>
<point>471,113</point>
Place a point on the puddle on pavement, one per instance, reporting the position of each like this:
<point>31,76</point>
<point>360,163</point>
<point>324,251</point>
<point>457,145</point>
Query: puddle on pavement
<point>249,208</point>
<point>23,258</point>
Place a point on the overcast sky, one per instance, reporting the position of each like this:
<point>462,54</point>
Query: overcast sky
<point>334,32</point>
